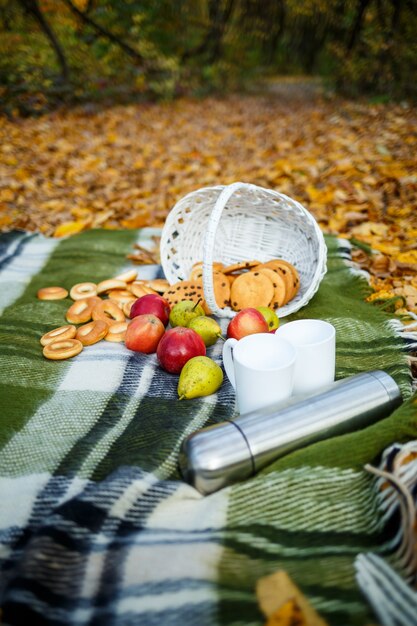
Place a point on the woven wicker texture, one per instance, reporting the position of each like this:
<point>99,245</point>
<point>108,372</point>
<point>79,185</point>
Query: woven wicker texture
<point>242,222</point>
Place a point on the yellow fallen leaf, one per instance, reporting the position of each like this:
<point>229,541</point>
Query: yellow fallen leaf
<point>386,248</point>
<point>380,295</point>
<point>277,590</point>
<point>140,220</point>
<point>5,220</point>
<point>6,195</point>
<point>408,257</point>
<point>70,228</point>
<point>289,614</point>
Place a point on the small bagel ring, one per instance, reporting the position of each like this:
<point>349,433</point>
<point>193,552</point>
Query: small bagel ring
<point>59,350</point>
<point>80,311</point>
<point>127,306</point>
<point>83,290</point>
<point>52,293</point>
<point>121,295</point>
<point>61,333</point>
<point>127,277</point>
<point>108,285</point>
<point>108,312</point>
<point>140,290</point>
<point>117,332</point>
<point>92,332</point>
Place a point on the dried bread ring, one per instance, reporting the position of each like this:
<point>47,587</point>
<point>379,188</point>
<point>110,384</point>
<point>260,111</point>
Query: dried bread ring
<point>63,332</point>
<point>65,349</point>
<point>279,285</point>
<point>117,332</point>
<point>52,293</point>
<point>121,295</point>
<point>140,289</point>
<point>109,284</point>
<point>81,311</point>
<point>127,306</point>
<point>80,291</point>
<point>108,311</point>
<point>92,332</point>
<point>127,277</point>
<point>160,285</point>
<point>251,289</point>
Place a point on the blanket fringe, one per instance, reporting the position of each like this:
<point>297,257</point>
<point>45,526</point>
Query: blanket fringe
<point>397,492</point>
<point>392,593</point>
<point>408,332</point>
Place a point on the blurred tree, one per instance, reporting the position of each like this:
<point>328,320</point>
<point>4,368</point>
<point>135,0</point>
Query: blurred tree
<point>160,48</point>
<point>32,8</point>
<point>101,30</point>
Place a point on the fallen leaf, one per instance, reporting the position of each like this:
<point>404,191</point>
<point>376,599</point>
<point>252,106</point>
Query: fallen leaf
<point>70,228</point>
<point>289,614</point>
<point>276,590</point>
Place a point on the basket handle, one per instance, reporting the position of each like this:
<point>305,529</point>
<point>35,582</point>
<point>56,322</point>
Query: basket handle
<point>208,246</point>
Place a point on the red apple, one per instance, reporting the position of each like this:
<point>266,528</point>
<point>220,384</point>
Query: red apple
<point>144,333</point>
<point>247,322</point>
<point>152,304</point>
<point>178,346</point>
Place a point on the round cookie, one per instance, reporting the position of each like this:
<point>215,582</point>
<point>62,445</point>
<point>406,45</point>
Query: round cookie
<point>285,269</point>
<point>197,269</point>
<point>184,290</point>
<point>279,285</point>
<point>251,289</point>
<point>221,288</point>
<point>240,267</point>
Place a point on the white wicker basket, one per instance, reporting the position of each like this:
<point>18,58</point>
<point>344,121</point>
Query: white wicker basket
<point>241,222</point>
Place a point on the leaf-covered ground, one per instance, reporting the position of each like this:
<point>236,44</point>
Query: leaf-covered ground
<point>353,165</point>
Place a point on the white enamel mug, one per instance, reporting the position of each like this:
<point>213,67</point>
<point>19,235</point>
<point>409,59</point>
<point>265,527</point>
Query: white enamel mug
<point>260,368</point>
<point>315,342</point>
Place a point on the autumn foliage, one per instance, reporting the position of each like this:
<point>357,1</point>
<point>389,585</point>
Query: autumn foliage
<point>352,165</point>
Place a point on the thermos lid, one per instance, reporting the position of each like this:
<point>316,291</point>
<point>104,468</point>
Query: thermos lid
<point>388,382</point>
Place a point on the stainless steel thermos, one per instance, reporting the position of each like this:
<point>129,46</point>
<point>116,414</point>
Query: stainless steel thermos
<point>222,454</point>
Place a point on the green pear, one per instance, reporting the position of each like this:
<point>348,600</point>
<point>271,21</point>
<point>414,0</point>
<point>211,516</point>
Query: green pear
<point>270,316</point>
<point>200,376</point>
<point>183,312</point>
<point>207,327</point>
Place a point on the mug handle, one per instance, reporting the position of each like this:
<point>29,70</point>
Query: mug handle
<point>228,360</point>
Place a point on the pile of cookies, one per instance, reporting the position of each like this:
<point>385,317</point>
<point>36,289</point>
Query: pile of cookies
<point>101,310</point>
<point>241,285</point>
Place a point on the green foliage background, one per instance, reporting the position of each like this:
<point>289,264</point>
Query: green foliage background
<point>196,47</point>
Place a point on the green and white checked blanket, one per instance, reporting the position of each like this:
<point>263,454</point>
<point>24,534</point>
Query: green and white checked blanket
<point>96,526</point>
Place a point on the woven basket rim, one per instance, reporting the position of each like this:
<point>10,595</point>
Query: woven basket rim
<point>208,239</point>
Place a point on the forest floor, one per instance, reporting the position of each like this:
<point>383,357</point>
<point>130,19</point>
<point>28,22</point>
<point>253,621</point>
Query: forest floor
<point>352,164</point>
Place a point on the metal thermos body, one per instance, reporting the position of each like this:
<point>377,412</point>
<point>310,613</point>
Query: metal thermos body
<point>220,455</point>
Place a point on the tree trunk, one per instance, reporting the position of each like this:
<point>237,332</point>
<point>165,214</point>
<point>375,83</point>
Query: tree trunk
<point>212,42</point>
<point>33,8</point>
<point>357,26</point>
<point>103,32</point>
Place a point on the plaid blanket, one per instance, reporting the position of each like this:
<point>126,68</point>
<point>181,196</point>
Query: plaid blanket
<point>96,526</point>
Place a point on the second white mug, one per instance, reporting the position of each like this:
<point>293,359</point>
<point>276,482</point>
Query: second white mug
<point>315,342</point>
